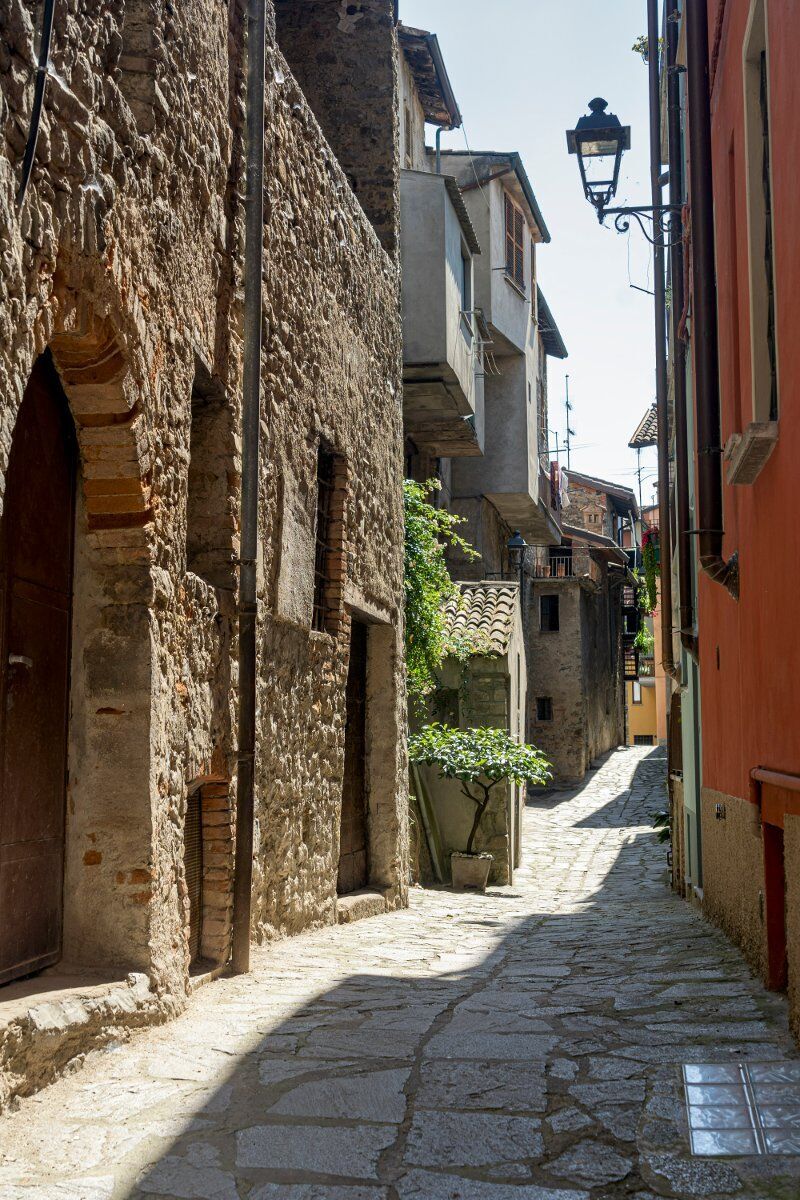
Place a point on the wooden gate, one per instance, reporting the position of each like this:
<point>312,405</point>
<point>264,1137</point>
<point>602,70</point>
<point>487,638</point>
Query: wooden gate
<point>36,546</point>
<point>353,862</point>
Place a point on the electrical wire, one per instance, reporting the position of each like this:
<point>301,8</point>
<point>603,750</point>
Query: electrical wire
<point>38,100</point>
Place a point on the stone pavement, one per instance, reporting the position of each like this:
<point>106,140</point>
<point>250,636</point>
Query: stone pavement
<point>523,1045</point>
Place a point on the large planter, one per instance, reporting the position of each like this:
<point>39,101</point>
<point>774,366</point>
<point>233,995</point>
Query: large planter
<point>470,871</point>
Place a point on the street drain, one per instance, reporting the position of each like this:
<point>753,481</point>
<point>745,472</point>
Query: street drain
<point>743,1108</point>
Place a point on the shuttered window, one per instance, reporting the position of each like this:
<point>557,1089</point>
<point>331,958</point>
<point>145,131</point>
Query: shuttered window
<point>515,240</point>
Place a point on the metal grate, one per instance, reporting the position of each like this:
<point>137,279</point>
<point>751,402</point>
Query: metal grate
<point>193,867</point>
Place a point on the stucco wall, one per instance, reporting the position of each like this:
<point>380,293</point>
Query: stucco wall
<point>127,261</point>
<point>411,121</point>
<point>642,716</point>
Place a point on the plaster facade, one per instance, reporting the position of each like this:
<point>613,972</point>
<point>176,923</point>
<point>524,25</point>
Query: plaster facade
<point>124,268</point>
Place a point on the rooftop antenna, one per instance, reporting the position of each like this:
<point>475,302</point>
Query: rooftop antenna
<point>570,430</point>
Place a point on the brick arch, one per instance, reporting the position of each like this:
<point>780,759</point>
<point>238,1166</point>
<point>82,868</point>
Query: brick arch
<point>105,404</point>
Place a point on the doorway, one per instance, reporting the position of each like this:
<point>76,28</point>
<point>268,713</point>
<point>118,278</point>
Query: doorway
<point>36,565</point>
<point>353,857</point>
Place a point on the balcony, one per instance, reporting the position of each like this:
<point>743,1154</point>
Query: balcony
<point>554,563</point>
<point>443,335</point>
<point>509,474</point>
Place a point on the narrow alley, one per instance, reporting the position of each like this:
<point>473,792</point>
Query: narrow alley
<point>525,1043</point>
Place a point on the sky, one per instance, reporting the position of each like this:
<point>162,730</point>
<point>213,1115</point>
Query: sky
<point>523,72</point>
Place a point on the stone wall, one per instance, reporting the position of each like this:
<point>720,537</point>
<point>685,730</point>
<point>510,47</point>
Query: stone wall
<point>344,57</point>
<point>734,900</point>
<point>126,262</point>
<point>555,672</point>
<point>578,669</point>
<point>588,509</point>
<point>602,669</point>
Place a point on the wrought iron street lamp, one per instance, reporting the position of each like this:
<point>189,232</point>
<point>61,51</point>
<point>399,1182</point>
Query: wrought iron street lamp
<point>599,140</point>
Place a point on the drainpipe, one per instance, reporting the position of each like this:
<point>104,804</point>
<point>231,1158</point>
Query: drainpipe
<point>704,308</point>
<point>676,188</point>
<point>662,399</point>
<point>251,397</point>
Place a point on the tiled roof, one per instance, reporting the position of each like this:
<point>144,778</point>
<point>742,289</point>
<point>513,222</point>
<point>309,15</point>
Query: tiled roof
<point>647,430</point>
<point>430,75</point>
<point>486,608</point>
<point>551,337</point>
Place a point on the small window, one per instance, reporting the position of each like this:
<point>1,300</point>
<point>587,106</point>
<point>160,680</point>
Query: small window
<point>408,134</point>
<point>643,739</point>
<point>515,232</point>
<point>636,692</point>
<point>210,503</point>
<point>544,708</point>
<point>465,290</point>
<point>329,554</point>
<point>548,614</point>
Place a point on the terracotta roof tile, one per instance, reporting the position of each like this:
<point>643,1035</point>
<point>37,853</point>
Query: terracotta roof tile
<point>485,608</point>
<point>647,430</point>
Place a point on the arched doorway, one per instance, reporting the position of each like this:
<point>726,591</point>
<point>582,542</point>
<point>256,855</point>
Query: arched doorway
<point>36,563</point>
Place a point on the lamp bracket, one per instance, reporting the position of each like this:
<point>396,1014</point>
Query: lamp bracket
<point>661,218</point>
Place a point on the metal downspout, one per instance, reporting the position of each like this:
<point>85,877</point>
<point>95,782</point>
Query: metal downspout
<point>704,307</point>
<point>676,188</point>
<point>251,396</point>
<point>662,399</point>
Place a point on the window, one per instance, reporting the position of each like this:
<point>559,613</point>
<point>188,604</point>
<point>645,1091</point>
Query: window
<point>210,503</point>
<point>534,309</point>
<point>329,551</point>
<point>548,614</point>
<point>643,739</point>
<point>544,708</point>
<point>465,291</point>
<point>515,229</point>
<point>636,692</point>
<point>759,217</point>
<point>407,136</point>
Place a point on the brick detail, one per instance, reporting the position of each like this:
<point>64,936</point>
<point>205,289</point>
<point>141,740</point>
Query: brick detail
<point>217,819</point>
<point>115,455</point>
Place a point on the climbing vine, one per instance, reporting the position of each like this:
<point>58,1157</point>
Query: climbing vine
<point>650,546</point>
<point>429,531</point>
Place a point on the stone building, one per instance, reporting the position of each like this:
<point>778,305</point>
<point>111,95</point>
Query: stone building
<point>120,383</point>
<point>574,635</point>
<point>573,639</point>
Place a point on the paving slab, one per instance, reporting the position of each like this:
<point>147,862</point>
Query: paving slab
<point>525,1044</point>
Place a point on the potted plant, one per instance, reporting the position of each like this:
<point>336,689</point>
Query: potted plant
<point>481,759</point>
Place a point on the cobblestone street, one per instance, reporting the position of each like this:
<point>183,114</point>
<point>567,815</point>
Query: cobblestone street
<point>525,1044</point>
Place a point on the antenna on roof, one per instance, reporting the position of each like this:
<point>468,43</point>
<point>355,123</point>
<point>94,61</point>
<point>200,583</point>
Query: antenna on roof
<point>570,431</point>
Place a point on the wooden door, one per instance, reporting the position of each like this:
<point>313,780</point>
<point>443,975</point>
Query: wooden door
<point>36,541</point>
<point>353,862</point>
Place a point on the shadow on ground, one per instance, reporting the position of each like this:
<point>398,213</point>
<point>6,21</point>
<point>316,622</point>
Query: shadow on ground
<point>527,1050</point>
